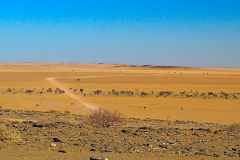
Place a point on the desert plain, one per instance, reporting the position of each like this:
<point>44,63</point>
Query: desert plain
<point>172,93</point>
<point>205,97</point>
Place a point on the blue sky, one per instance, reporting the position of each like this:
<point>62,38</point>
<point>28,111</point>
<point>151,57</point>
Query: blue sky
<point>202,33</point>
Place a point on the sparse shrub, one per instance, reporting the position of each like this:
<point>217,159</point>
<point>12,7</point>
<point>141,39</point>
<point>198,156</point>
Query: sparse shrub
<point>106,118</point>
<point>29,91</point>
<point>9,90</point>
<point>234,127</point>
<point>81,90</point>
<point>97,92</point>
<point>143,94</point>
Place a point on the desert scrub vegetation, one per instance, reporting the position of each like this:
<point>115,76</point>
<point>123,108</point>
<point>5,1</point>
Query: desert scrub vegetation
<point>106,118</point>
<point>127,93</point>
<point>234,127</point>
<point>7,133</point>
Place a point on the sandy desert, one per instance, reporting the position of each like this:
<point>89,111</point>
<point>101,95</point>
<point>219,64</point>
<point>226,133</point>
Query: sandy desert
<point>167,93</point>
<point>168,112</point>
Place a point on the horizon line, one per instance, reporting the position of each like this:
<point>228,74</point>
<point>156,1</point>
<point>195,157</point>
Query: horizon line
<point>130,65</point>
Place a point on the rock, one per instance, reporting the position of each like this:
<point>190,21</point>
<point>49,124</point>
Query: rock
<point>53,144</point>
<point>231,134</point>
<point>62,151</point>
<point>98,158</point>
<point>149,145</point>
<point>163,146</point>
<point>106,150</point>
<point>156,148</point>
<point>123,131</point>
<point>39,125</point>
<point>205,130</point>
<point>93,145</point>
<point>186,150</point>
<point>202,150</point>
<point>56,140</point>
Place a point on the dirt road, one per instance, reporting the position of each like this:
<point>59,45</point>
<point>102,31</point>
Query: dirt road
<point>81,101</point>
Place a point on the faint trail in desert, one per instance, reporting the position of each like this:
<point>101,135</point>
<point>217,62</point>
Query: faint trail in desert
<point>69,93</point>
<point>90,106</point>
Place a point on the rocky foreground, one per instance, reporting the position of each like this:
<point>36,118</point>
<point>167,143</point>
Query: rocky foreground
<point>54,135</point>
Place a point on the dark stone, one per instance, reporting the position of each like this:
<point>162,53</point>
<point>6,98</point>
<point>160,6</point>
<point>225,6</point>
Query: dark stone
<point>124,131</point>
<point>56,140</point>
<point>202,150</point>
<point>205,130</point>
<point>39,125</point>
<point>163,146</point>
<point>62,151</point>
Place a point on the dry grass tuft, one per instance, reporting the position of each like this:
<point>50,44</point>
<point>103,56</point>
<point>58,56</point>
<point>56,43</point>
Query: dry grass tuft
<point>106,118</point>
<point>234,127</point>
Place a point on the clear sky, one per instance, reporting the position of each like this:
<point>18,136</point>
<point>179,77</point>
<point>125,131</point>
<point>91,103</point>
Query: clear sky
<point>201,33</point>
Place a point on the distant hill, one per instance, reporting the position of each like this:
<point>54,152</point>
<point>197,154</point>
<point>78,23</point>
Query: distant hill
<point>91,65</point>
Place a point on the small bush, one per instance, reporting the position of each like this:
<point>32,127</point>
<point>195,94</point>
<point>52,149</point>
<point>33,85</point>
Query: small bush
<point>234,127</point>
<point>106,118</point>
